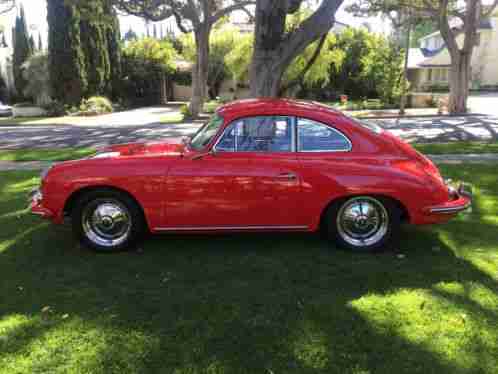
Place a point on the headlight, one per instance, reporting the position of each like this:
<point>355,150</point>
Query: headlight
<point>106,155</point>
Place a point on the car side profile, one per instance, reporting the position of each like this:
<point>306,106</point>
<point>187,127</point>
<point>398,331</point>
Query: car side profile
<point>257,165</point>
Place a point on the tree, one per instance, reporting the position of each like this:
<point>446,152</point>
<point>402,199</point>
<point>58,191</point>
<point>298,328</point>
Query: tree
<point>146,62</point>
<point>23,49</point>
<point>68,77</point>
<point>275,47</point>
<point>7,5</point>
<point>36,73</point>
<point>197,16</point>
<point>222,41</point>
<point>40,43</point>
<point>459,40</point>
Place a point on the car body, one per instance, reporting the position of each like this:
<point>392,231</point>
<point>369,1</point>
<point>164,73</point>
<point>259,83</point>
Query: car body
<point>259,164</point>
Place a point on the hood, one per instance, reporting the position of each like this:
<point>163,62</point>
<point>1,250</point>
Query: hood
<point>173,146</point>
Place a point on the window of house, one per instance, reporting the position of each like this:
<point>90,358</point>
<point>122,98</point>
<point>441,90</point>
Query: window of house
<point>258,134</point>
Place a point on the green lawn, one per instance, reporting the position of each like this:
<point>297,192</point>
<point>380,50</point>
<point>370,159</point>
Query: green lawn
<point>61,154</point>
<point>250,303</point>
<point>20,120</point>
<point>457,147</point>
<point>171,118</point>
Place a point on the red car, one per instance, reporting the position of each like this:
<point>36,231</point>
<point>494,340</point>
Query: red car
<point>257,165</point>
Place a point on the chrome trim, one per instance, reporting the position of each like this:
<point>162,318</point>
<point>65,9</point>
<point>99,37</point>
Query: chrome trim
<point>229,228</point>
<point>328,126</point>
<point>455,209</point>
<point>362,221</point>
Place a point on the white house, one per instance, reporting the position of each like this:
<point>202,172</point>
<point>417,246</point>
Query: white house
<point>428,65</point>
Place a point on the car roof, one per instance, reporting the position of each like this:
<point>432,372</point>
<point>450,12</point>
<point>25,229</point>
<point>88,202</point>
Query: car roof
<point>268,104</point>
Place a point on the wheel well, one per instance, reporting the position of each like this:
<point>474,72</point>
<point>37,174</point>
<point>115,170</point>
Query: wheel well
<point>405,217</point>
<point>71,201</point>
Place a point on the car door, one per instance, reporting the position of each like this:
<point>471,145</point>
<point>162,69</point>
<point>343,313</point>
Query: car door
<point>324,155</point>
<point>270,186</point>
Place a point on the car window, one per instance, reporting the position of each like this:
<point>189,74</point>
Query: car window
<point>317,137</point>
<point>258,134</point>
<point>206,133</point>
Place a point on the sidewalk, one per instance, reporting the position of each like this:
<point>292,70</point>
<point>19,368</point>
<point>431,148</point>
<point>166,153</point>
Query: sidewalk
<point>440,159</point>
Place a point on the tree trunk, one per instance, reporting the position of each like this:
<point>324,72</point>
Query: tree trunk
<point>403,99</point>
<point>200,70</point>
<point>459,83</point>
<point>275,49</point>
<point>266,75</point>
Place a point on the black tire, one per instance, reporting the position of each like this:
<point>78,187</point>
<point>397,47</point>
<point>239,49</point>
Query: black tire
<point>384,238</point>
<point>109,201</point>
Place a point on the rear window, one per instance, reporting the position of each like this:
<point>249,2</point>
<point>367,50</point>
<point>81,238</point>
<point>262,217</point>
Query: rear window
<point>369,125</point>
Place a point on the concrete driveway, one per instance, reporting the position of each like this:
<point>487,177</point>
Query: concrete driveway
<point>485,103</point>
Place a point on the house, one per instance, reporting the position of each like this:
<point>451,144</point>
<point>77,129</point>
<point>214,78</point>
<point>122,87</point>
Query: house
<point>429,65</point>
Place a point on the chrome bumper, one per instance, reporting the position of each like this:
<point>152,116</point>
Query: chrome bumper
<point>462,199</point>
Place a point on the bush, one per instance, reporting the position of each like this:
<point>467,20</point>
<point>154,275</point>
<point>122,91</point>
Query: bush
<point>185,111</point>
<point>55,109</point>
<point>95,106</point>
<point>211,106</point>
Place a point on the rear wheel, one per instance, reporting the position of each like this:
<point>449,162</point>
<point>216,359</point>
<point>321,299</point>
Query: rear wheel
<point>363,223</point>
<point>107,221</point>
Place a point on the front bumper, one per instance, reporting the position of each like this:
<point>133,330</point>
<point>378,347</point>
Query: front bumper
<point>460,200</point>
<point>36,205</point>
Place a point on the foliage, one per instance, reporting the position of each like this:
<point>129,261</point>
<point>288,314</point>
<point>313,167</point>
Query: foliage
<point>371,67</point>
<point>23,49</point>
<point>68,75</point>
<point>211,106</point>
<point>95,105</point>
<point>238,60</point>
<point>421,29</point>
<point>145,63</point>
<point>36,74</point>
<point>130,35</point>
<point>185,111</point>
<point>84,49</point>
<point>222,41</point>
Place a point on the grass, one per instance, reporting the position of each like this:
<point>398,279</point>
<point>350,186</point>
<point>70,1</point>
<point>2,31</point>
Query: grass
<point>171,118</point>
<point>61,154</point>
<point>250,303</point>
<point>457,147</point>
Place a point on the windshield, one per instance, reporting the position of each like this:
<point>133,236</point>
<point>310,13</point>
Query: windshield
<point>204,136</point>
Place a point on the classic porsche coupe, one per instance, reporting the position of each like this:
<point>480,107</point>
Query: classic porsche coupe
<point>257,165</point>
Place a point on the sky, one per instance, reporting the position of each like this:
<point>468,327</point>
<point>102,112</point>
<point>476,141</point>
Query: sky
<point>36,14</point>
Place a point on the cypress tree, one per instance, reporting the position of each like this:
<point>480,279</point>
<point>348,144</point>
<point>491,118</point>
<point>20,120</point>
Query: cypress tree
<point>22,51</point>
<point>114,50</point>
<point>40,43</point>
<point>66,58</point>
<point>32,44</point>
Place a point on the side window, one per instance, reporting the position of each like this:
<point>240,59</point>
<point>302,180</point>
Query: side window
<point>317,137</point>
<point>258,134</point>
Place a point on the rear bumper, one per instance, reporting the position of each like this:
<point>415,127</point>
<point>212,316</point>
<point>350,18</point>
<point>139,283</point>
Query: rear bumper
<point>460,200</point>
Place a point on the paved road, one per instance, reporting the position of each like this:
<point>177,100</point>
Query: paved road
<point>142,125</point>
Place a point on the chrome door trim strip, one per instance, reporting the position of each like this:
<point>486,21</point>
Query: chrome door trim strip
<point>230,228</point>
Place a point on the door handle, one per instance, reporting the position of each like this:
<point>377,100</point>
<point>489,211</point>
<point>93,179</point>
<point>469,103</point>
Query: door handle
<point>287,176</point>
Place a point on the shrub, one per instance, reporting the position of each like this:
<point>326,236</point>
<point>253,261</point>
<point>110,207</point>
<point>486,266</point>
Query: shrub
<point>55,109</point>
<point>185,111</point>
<point>95,105</point>
<point>211,106</point>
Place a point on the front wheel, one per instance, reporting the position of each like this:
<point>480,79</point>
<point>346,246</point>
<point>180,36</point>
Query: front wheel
<point>107,221</point>
<point>363,223</point>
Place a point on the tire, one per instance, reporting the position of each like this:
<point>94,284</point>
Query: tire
<point>107,221</point>
<point>363,223</point>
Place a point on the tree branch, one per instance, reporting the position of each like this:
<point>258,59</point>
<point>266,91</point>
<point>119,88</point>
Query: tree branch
<point>229,9</point>
<point>308,66</point>
<point>490,10</point>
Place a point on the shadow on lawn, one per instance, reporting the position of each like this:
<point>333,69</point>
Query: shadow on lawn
<point>237,303</point>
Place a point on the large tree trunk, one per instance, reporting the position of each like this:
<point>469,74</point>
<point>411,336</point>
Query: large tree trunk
<point>274,49</point>
<point>459,83</point>
<point>200,70</point>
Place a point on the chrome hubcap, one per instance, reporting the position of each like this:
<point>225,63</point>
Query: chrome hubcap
<point>362,221</point>
<point>107,224</point>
